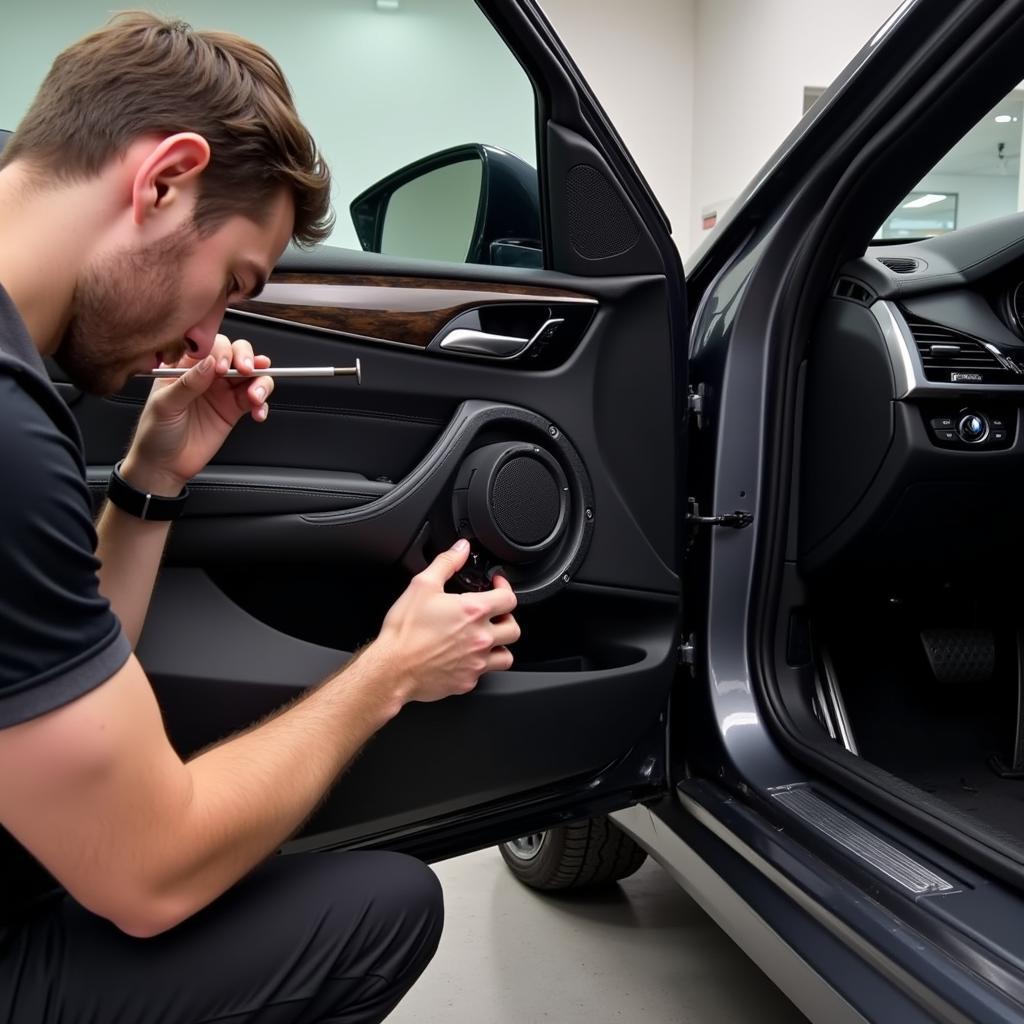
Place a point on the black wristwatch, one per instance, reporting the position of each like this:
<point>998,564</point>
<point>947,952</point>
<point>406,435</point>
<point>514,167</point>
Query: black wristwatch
<point>151,507</point>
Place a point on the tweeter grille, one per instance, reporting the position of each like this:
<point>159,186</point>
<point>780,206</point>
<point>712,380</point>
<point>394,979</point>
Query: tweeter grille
<point>600,225</point>
<point>525,501</point>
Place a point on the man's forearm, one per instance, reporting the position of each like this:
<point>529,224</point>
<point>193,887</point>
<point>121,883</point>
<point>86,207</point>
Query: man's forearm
<point>250,793</point>
<point>130,550</point>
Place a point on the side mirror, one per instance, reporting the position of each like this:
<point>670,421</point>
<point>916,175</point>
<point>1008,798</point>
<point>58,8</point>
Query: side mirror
<point>468,204</point>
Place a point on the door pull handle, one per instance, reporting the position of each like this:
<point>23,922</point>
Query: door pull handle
<point>496,346</point>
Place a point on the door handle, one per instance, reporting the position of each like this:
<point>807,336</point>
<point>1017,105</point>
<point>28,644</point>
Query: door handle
<point>496,346</point>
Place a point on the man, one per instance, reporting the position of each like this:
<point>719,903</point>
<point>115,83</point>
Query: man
<point>158,175</point>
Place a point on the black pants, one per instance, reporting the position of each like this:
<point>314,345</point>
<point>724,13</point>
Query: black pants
<point>330,938</point>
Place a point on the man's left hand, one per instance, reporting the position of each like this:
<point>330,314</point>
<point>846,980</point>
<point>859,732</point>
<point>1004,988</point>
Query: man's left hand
<point>185,421</point>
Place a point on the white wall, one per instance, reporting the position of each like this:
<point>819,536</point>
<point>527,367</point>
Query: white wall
<point>753,60</point>
<point>639,60</point>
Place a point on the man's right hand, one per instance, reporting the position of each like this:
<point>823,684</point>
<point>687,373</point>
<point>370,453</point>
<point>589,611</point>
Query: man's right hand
<point>439,644</point>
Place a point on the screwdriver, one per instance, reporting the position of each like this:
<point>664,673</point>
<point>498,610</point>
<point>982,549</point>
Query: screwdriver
<point>272,371</point>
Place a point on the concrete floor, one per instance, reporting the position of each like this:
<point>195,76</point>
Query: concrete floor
<point>643,952</point>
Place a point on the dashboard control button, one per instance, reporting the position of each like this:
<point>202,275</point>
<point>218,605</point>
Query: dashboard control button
<point>947,435</point>
<point>973,428</point>
<point>998,436</point>
<point>943,423</point>
<point>997,422</point>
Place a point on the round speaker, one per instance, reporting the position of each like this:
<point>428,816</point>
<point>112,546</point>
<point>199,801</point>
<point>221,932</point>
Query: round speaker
<point>514,498</point>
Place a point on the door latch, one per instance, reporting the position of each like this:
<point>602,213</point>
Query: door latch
<point>732,520</point>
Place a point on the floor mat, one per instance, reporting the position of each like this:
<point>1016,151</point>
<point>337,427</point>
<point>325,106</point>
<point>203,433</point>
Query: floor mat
<point>971,787</point>
<point>938,738</point>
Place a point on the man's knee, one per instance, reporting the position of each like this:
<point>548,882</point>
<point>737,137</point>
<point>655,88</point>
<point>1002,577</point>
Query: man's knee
<point>395,933</point>
<point>413,895</point>
<point>402,913</point>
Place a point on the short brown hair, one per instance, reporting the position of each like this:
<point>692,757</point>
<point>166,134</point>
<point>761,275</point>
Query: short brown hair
<point>141,74</point>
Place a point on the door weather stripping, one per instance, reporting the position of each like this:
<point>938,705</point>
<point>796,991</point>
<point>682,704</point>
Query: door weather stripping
<point>859,840</point>
<point>732,520</point>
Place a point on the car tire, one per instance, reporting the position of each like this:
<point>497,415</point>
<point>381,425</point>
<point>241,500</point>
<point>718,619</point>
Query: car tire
<point>588,853</point>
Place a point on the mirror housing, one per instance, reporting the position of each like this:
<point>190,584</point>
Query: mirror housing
<point>506,228</point>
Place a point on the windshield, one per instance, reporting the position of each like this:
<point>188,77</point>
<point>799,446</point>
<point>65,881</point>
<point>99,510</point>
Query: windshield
<point>977,180</point>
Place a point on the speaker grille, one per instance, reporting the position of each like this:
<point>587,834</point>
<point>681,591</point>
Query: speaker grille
<point>525,500</point>
<point>600,226</point>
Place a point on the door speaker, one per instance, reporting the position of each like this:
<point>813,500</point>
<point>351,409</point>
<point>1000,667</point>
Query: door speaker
<point>514,498</point>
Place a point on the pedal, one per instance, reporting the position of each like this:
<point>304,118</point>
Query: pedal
<point>960,656</point>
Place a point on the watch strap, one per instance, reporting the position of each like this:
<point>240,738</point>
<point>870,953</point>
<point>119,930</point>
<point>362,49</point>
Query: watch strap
<point>143,505</point>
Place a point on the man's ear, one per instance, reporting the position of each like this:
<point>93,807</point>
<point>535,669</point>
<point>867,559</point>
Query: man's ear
<point>167,175</point>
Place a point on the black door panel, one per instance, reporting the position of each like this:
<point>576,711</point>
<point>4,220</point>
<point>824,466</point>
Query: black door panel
<point>415,518</point>
<point>587,687</point>
<point>612,400</point>
<point>332,424</point>
<point>305,529</point>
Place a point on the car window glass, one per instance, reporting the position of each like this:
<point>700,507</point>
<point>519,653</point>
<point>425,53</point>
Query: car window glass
<point>978,180</point>
<point>381,84</point>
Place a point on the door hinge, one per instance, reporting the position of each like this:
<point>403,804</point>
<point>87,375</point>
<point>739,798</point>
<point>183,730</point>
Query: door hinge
<point>732,520</point>
<point>687,652</point>
<point>695,404</point>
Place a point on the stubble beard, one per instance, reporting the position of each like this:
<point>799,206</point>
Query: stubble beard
<point>121,311</point>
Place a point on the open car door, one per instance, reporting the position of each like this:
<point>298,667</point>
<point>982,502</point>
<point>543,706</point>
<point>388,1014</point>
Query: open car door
<point>526,396</point>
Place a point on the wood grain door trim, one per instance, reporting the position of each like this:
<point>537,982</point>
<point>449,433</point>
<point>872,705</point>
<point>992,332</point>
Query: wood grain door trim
<point>403,310</point>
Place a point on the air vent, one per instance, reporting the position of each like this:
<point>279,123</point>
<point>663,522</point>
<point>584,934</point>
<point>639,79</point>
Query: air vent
<point>899,264</point>
<point>848,288</point>
<point>950,357</point>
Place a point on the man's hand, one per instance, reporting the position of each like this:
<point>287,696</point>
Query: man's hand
<point>185,421</point>
<point>439,644</point>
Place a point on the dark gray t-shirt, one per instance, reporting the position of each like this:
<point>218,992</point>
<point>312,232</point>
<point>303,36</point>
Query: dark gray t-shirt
<point>59,638</point>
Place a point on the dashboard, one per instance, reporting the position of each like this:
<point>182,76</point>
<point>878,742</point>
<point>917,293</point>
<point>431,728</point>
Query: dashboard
<point>913,393</point>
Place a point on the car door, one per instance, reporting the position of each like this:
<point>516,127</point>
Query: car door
<point>525,395</point>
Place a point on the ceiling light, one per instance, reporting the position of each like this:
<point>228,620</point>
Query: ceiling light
<point>1000,118</point>
<point>387,5</point>
<point>927,200</point>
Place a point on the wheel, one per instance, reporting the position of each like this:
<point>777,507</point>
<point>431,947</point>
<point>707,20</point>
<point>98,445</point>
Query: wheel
<point>588,853</point>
